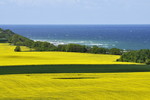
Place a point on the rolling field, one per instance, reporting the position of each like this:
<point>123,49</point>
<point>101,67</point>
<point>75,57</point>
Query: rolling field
<point>75,86</point>
<point>9,57</point>
<point>32,76</point>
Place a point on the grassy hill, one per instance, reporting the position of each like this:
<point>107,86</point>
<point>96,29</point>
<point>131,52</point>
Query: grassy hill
<point>5,34</point>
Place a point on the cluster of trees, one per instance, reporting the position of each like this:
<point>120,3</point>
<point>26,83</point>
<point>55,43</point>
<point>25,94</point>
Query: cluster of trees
<point>19,40</point>
<point>138,56</point>
<point>43,46</point>
<point>46,46</point>
<point>100,50</point>
<point>72,48</point>
<point>87,49</point>
<point>5,35</point>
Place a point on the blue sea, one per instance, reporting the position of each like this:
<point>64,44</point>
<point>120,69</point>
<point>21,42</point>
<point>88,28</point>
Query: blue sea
<point>108,36</point>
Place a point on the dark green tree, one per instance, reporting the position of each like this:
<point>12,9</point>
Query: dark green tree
<point>115,51</point>
<point>17,49</point>
<point>148,61</point>
<point>75,48</point>
<point>138,56</point>
<point>94,49</point>
<point>62,47</point>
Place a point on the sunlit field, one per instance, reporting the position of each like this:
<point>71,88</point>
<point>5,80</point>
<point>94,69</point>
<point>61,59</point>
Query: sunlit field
<point>37,78</point>
<point>73,86</point>
<point>9,57</point>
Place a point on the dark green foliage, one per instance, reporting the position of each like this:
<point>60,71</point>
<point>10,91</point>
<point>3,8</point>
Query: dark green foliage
<point>115,51</point>
<point>139,56</point>
<point>94,49</point>
<point>73,69</point>
<point>148,61</point>
<point>3,40</point>
<point>75,48</point>
<point>98,50</point>
<point>62,47</point>
<point>17,49</point>
<point>5,34</point>
<point>43,46</point>
<point>20,40</point>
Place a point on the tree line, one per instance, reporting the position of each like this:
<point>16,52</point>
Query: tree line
<point>138,56</point>
<point>46,46</point>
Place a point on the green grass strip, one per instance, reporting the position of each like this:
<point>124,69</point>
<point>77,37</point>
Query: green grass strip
<point>29,69</point>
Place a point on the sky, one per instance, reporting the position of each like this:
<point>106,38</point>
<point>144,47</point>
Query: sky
<point>74,11</point>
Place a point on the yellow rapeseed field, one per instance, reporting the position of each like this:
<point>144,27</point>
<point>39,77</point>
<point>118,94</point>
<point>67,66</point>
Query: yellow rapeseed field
<point>69,86</point>
<point>9,57</point>
<point>73,86</point>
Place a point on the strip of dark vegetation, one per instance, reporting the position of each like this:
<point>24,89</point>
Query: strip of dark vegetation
<point>30,69</point>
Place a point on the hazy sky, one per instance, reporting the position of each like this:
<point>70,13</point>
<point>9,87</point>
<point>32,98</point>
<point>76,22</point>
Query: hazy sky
<point>74,11</point>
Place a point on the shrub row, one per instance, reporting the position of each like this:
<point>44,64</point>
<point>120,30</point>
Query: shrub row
<point>138,56</point>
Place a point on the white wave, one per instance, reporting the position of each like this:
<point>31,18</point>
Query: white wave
<point>88,43</point>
